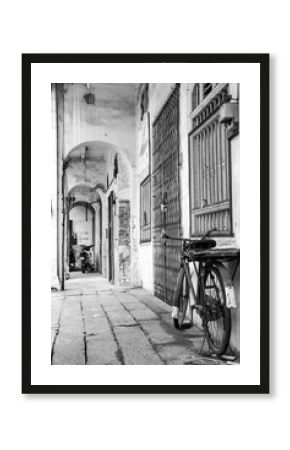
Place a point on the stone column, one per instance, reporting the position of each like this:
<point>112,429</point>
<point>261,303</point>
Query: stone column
<point>53,238</point>
<point>104,235</point>
<point>60,181</point>
<point>97,236</point>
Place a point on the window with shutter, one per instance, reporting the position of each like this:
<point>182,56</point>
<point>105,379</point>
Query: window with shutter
<point>210,173</point>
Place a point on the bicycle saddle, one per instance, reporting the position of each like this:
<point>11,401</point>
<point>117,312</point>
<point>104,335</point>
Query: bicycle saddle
<point>201,244</point>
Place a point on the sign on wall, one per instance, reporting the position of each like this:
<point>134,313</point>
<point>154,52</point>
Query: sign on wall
<point>144,147</point>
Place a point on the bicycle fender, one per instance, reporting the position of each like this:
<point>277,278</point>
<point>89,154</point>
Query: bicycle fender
<point>229,288</point>
<point>178,288</point>
<point>174,312</point>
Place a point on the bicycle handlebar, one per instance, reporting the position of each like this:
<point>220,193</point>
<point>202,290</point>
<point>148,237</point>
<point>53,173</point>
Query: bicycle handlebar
<point>208,233</point>
<point>205,236</point>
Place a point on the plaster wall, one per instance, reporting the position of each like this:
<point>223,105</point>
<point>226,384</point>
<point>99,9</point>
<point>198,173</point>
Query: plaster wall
<point>88,164</point>
<point>184,101</point>
<point>110,119</point>
<point>146,266</point>
<point>82,224</point>
<point>124,178</point>
<point>235,158</point>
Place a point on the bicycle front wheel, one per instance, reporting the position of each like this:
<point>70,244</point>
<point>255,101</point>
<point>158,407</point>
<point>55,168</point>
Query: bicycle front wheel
<point>217,317</point>
<point>181,300</point>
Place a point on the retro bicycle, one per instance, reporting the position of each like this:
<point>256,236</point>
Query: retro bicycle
<point>207,289</point>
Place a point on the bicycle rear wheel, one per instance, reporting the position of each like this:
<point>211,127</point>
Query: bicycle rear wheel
<point>181,299</point>
<point>217,317</point>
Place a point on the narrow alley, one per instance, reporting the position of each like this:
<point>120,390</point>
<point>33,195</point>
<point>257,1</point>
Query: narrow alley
<point>95,323</point>
<point>130,161</point>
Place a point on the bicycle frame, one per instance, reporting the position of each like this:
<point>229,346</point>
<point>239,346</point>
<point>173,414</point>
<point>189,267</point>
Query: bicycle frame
<point>198,297</point>
<point>206,259</point>
<point>185,265</point>
<point>212,296</point>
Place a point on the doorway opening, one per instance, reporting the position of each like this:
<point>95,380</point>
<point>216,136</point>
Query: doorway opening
<point>81,237</point>
<point>84,233</point>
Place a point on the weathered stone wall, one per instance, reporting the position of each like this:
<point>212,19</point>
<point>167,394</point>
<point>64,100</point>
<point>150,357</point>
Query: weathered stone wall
<point>124,242</point>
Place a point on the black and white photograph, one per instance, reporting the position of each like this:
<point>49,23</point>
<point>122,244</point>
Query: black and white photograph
<point>145,220</point>
<point>153,196</point>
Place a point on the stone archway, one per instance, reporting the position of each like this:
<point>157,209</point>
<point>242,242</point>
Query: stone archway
<point>89,138</point>
<point>99,169</point>
<point>82,195</point>
<point>81,232</point>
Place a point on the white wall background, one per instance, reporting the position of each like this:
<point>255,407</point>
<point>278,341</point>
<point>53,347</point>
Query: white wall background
<point>82,224</point>
<point>74,422</point>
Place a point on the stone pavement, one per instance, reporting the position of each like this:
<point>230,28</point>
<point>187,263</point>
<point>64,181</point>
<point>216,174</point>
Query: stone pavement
<point>95,323</point>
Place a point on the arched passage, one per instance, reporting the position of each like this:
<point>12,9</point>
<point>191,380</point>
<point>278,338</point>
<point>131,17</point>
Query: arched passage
<point>84,226</point>
<point>95,172</point>
<point>81,233</point>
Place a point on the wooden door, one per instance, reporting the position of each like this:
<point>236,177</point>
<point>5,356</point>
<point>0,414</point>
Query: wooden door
<point>165,189</point>
<point>111,236</point>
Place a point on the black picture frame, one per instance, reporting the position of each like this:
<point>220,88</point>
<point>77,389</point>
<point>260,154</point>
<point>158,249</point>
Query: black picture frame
<point>263,61</point>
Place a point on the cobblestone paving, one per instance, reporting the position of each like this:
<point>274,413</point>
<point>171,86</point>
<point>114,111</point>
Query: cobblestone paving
<point>95,324</point>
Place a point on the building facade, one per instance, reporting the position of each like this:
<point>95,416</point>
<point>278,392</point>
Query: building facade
<point>193,175</point>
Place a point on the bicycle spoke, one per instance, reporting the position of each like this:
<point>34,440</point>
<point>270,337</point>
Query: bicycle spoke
<point>217,323</point>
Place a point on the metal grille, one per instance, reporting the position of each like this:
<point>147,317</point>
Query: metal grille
<point>210,178</point>
<point>165,189</point>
